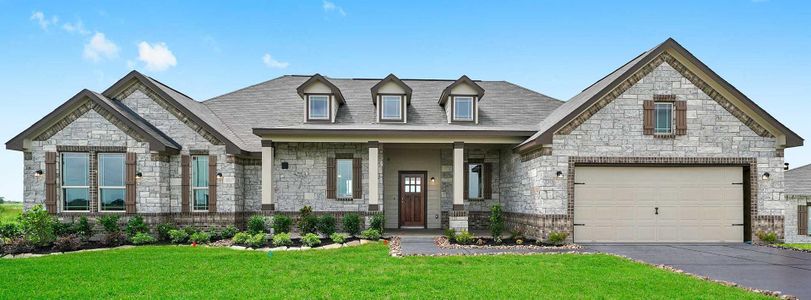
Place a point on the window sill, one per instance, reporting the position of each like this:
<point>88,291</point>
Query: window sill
<point>344,199</point>
<point>476,200</point>
<point>664,136</point>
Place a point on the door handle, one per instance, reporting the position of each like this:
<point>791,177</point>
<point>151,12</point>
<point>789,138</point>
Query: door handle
<point>656,212</point>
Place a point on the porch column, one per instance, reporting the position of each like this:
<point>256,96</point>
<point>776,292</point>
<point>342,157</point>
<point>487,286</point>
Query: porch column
<point>267,175</point>
<point>374,182</point>
<point>458,216</point>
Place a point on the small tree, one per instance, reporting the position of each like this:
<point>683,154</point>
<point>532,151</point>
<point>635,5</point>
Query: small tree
<point>37,226</point>
<point>496,222</point>
<point>2,200</point>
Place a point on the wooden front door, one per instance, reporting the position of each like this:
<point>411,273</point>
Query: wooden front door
<point>412,199</point>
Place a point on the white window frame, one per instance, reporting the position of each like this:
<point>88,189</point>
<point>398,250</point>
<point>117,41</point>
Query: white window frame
<point>194,188</point>
<point>399,107</point>
<point>310,108</point>
<point>64,187</point>
<point>99,178</point>
<point>456,116</point>
<point>351,186</point>
<point>470,165</point>
<point>656,118</point>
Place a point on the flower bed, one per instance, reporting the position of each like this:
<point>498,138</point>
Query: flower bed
<point>489,243</point>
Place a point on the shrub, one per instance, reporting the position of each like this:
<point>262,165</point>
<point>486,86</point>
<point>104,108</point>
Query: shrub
<point>351,223</point>
<point>281,223</point>
<point>338,238</point>
<point>228,232</point>
<point>10,230</point>
<point>450,233</point>
<point>282,239</point>
<point>83,228</point>
<point>256,224</point>
<point>142,238</point>
<point>310,240</point>
<point>557,237</point>
<point>70,242</point>
<point>113,239</point>
<point>178,236</point>
<point>37,226</point>
<point>377,223</point>
<point>308,224</point>
<point>17,246</point>
<point>464,238</point>
<point>496,222</point>
<point>516,234</point>
<point>200,237</point>
<point>163,231</point>
<point>110,223</point>
<point>241,238</point>
<point>63,229</point>
<point>257,240</point>
<point>136,225</point>
<point>190,230</point>
<point>767,237</point>
<point>370,234</point>
<point>326,225</point>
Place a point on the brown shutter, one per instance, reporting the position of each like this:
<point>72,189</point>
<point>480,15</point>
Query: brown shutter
<point>681,117</point>
<point>357,178</point>
<point>50,182</point>
<point>130,194</point>
<point>487,190</point>
<point>331,178</point>
<point>465,186</point>
<point>802,220</point>
<point>184,183</point>
<point>212,183</point>
<point>647,117</point>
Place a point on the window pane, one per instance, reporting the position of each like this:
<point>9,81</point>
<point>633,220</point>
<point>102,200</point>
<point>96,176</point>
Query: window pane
<point>74,169</point>
<point>664,117</point>
<point>344,178</point>
<point>319,107</point>
<point>111,199</point>
<point>474,181</point>
<point>201,199</point>
<point>391,107</point>
<point>463,108</point>
<point>200,171</point>
<point>111,169</point>
<point>76,199</point>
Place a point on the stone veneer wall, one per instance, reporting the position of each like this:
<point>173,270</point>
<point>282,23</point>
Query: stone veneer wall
<point>475,208</point>
<point>791,234</point>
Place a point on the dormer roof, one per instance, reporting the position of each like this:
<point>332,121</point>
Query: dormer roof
<point>318,78</point>
<point>393,79</point>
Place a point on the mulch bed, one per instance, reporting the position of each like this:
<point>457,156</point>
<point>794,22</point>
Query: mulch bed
<point>489,243</point>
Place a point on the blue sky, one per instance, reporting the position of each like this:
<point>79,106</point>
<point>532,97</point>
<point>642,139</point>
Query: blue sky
<point>52,50</point>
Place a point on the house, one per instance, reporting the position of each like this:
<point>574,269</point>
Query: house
<point>798,194</point>
<point>660,150</point>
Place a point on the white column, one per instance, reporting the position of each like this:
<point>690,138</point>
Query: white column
<point>374,182</point>
<point>458,175</point>
<point>267,175</point>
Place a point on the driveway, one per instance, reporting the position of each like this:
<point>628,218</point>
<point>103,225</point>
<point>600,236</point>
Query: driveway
<point>759,267</point>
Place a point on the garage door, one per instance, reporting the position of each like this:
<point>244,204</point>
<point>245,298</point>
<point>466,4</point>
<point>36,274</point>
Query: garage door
<point>658,204</point>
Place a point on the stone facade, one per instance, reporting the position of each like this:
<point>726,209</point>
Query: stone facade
<point>792,233</point>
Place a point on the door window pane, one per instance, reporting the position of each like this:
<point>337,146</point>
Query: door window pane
<point>344,178</point>
<point>474,181</point>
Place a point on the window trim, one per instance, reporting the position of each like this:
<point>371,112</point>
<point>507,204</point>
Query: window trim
<point>193,196</point>
<point>351,161</point>
<point>473,108</point>
<point>402,106</point>
<point>62,185</point>
<point>123,187</point>
<point>672,106</point>
<point>309,117</point>
<point>481,180</point>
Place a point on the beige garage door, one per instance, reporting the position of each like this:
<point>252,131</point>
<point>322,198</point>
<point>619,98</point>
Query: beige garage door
<point>658,204</point>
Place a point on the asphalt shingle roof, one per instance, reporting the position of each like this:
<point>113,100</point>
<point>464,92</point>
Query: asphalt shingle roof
<point>798,181</point>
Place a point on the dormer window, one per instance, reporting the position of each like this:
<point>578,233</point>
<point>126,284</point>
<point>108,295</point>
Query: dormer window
<point>318,108</point>
<point>461,101</point>
<point>321,99</point>
<point>391,97</point>
<point>463,108</point>
<point>391,108</point>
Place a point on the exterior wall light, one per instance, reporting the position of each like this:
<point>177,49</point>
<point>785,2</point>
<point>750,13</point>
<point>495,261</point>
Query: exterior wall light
<point>559,174</point>
<point>433,179</point>
<point>785,167</point>
<point>38,173</point>
<point>219,175</point>
<point>138,175</point>
<point>766,176</point>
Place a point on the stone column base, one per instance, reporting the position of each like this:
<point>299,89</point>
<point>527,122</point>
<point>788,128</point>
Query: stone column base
<point>457,220</point>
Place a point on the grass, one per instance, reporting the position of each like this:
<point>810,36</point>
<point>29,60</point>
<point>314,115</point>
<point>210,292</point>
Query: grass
<point>10,211</point>
<point>358,272</point>
<point>796,246</point>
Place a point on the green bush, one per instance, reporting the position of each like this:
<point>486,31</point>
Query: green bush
<point>200,237</point>
<point>282,239</point>
<point>281,223</point>
<point>257,240</point>
<point>178,236</point>
<point>83,228</point>
<point>450,233</point>
<point>557,237</point>
<point>308,224</point>
<point>110,223</point>
<point>767,237</point>
<point>241,238</point>
<point>37,226</point>
<point>464,238</point>
<point>10,230</point>
<point>63,229</point>
<point>256,224</point>
<point>516,234</point>
<point>496,222</point>
<point>377,223</point>
<point>228,232</point>
<point>163,231</point>
<point>326,225</point>
<point>190,230</point>
<point>143,238</point>
<point>69,242</point>
<point>136,225</point>
<point>310,240</point>
<point>351,223</point>
<point>338,238</point>
<point>370,234</point>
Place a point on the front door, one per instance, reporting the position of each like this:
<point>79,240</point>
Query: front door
<point>412,199</point>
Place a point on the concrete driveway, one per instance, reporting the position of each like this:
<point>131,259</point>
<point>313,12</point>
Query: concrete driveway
<point>759,267</point>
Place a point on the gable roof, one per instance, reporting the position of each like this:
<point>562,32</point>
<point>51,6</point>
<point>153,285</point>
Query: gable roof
<point>158,141</point>
<point>395,80</point>
<point>798,181</point>
<point>462,80</point>
<point>582,101</point>
<point>318,78</point>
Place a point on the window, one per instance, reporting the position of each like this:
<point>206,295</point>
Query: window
<point>199,175</point>
<point>463,108</point>
<point>808,207</point>
<point>475,177</point>
<point>75,182</point>
<point>344,178</point>
<point>392,108</point>
<point>663,118</point>
<point>111,181</point>
<point>318,107</point>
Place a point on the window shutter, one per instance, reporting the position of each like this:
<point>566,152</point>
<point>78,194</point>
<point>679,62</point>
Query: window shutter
<point>331,176</point>
<point>465,186</point>
<point>184,183</point>
<point>357,178</point>
<point>212,183</point>
<point>802,220</point>
<point>50,182</point>
<point>130,194</point>
<point>487,189</point>
<point>647,117</point>
<point>681,117</point>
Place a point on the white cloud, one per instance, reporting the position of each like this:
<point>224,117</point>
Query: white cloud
<point>272,63</point>
<point>77,27</point>
<point>157,56</point>
<point>99,47</point>
<point>43,21</point>
<point>329,6</point>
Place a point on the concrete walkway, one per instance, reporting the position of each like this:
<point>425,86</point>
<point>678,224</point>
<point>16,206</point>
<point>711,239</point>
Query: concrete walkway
<point>424,245</point>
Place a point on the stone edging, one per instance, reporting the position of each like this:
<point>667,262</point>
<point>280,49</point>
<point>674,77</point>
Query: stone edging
<point>30,255</point>
<point>786,248</point>
<point>442,242</point>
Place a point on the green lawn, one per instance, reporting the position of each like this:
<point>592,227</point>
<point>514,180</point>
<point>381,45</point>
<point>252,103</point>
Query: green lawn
<point>797,246</point>
<point>358,272</point>
<point>10,211</point>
